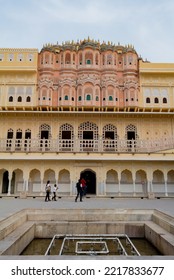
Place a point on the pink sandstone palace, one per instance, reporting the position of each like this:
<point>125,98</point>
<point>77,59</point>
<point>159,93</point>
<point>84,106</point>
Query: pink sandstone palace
<point>87,75</point>
<point>86,108</point>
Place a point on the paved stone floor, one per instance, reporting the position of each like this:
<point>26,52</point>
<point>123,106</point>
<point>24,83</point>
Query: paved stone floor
<point>10,205</point>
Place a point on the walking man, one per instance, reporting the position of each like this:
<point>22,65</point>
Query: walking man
<point>48,190</point>
<point>79,191</point>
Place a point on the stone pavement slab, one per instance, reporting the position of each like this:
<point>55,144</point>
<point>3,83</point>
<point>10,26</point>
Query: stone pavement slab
<point>11,205</point>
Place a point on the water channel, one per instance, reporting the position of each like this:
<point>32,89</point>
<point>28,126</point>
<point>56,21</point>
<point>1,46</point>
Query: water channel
<point>91,245</point>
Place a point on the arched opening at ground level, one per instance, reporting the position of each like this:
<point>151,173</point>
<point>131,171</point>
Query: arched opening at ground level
<point>104,181</point>
<point>5,182</point>
<point>90,177</point>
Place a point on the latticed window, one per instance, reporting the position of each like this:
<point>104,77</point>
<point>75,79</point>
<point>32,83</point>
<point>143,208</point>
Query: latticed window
<point>19,134</point>
<point>131,132</point>
<point>9,137</point>
<point>27,134</point>
<point>109,132</point>
<point>66,131</point>
<point>45,131</point>
<point>88,130</point>
<point>10,133</point>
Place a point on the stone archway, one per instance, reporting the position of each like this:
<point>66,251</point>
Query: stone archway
<point>5,182</point>
<point>90,177</point>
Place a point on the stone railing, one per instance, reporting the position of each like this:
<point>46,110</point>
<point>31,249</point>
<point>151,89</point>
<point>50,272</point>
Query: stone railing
<point>79,145</point>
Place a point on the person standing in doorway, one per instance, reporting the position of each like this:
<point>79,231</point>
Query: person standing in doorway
<point>83,185</point>
<point>48,191</point>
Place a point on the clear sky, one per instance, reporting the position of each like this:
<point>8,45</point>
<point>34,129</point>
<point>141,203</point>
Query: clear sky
<point>146,24</point>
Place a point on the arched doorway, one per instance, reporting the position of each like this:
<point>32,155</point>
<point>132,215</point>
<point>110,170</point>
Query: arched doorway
<point>90,178</point>
<point>5,182</point>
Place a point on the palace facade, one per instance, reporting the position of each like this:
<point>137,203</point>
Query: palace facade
<point>86,108</point>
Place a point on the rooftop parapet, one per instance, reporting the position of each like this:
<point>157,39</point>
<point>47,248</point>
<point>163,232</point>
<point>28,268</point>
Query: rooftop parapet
<point>88,43</point>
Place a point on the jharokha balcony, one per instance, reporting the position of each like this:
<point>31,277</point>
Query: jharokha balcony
<point>85,145</point>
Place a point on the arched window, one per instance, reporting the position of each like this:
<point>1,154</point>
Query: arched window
<point>9,137</point>
<point>11,94</point>
<point>47,58</point>
<point>27,134</point>
<point>89,57</point>
<point>97,98</point>
<point>66,135</point>
<point>109,132</point>
<point>148,100</point>
<point>110,98</point>
<point>66,97</point>
<point>45,131</point>
<point>131,135</point>
<point>88,131</point>
<point>19,99</point>
<point>20,57</point>
<point>109,59</point>
<point>80,98</point>
<point>164,100</point>
<point>156,100</point>
<point>10,99</point>
<point>67,58</point>
<point>66,131</point>
<point>30,57</point>
<point>28,99</point>
<point>96,59</point>
<point>19,134</point>
<point>10,134</point>
<point>88,97</point>
<point>80,58</point>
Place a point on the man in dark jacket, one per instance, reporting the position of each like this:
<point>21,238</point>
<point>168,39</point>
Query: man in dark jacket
<point>79,191</point>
